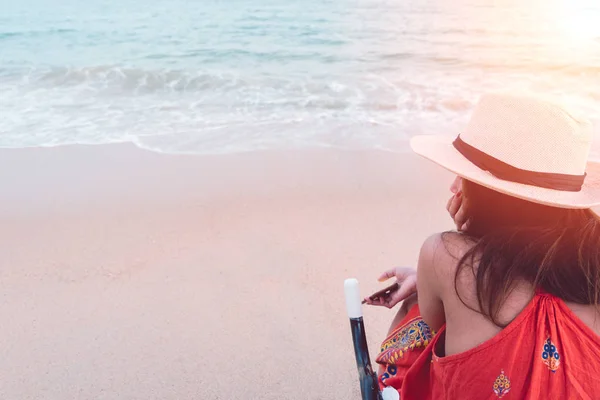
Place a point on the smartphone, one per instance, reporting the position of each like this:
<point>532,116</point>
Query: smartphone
<point>384,292</point>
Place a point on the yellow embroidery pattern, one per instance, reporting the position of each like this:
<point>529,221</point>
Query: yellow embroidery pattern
<point>501,385</point>
<point>414,334</point>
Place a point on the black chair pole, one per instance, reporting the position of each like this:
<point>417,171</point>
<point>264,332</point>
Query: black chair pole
<point>369,387</point>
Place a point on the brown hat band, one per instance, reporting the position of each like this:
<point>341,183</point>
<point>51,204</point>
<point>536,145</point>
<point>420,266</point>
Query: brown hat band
<point>504,171</point>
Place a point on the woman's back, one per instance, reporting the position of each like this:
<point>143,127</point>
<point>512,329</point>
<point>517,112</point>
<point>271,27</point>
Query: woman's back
<point>545,352</point>
<point>545,349</point>
<point>465,323</point>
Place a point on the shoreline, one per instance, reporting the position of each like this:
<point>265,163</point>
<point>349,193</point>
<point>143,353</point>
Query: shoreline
<point>81,175</point>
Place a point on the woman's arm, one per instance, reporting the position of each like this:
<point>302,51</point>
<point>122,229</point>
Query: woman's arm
<point>430,282</point>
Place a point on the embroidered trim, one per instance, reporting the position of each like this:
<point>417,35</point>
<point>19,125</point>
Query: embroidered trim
<point>413,334</point>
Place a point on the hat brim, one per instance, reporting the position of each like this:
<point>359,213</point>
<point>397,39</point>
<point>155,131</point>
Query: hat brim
<point>439,149</point>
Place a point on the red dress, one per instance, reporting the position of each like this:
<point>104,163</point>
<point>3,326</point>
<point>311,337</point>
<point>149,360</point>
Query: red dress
<point>545,353</point>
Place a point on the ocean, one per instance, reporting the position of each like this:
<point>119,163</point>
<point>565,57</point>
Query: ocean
<point>226,76</point>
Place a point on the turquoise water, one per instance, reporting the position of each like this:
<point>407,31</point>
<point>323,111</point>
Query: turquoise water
<point>227,76</point>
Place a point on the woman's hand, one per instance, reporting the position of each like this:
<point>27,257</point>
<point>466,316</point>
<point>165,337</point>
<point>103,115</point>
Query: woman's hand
<point>407,285</point>
<point>457,207</point>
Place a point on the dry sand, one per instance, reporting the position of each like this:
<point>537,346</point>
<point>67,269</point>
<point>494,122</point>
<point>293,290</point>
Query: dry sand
<point>131,275</point>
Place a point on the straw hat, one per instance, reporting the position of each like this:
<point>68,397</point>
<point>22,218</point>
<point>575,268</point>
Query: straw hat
<point>522,146</point>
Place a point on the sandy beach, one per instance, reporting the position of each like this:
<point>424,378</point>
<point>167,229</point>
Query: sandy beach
<point>127,274</point>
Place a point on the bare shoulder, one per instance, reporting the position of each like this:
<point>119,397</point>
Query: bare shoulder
<point>441,252</point>
<point>436,272</point>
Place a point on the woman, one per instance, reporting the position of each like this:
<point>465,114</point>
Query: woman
<point>508,304</point>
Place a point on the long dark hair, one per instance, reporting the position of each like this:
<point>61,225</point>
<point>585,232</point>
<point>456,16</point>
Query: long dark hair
<point>555,249</point>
